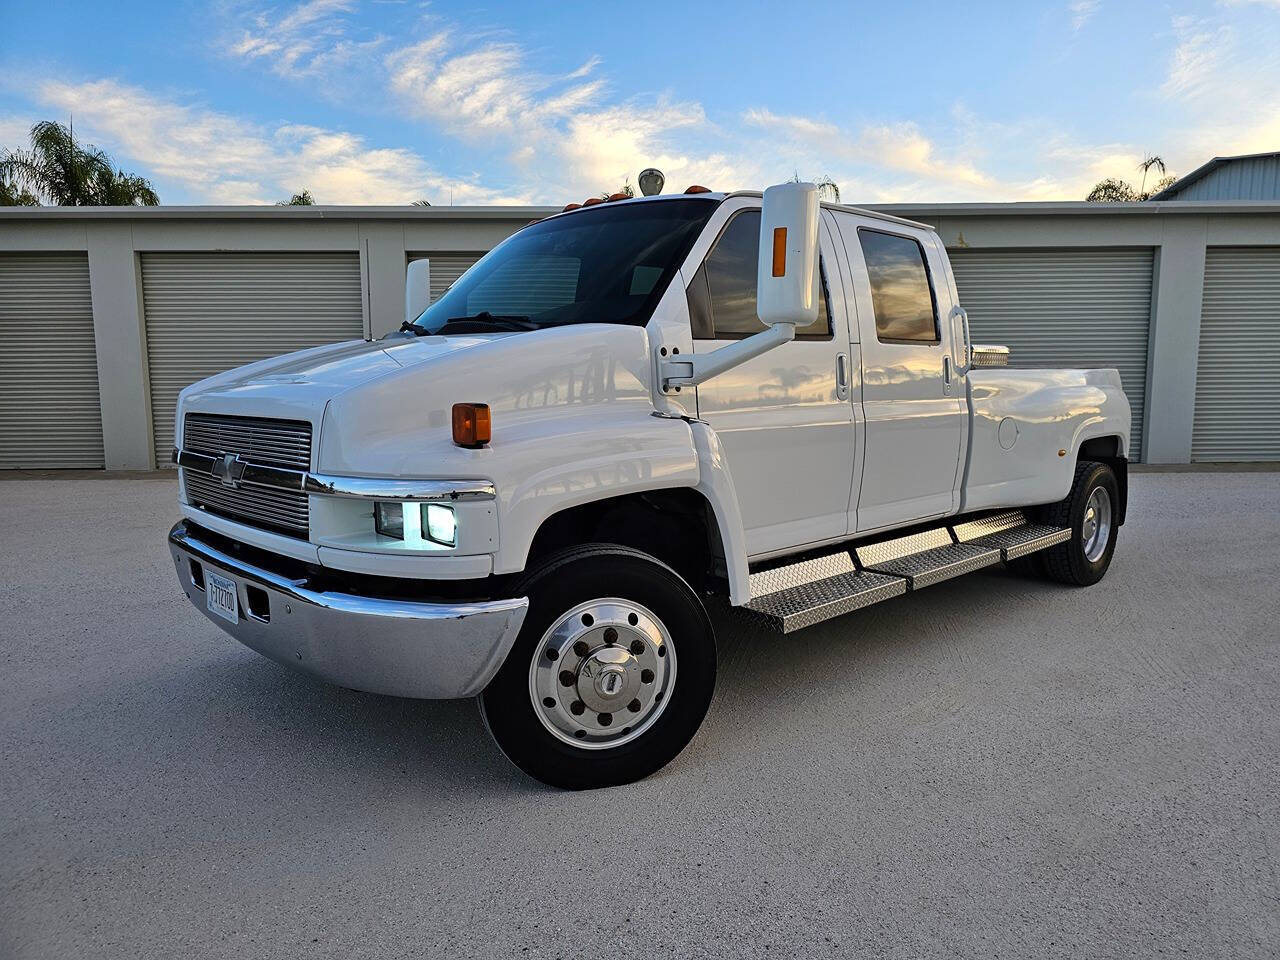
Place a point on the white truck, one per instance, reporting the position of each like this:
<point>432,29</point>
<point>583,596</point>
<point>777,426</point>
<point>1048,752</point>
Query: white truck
<point>529,493</point>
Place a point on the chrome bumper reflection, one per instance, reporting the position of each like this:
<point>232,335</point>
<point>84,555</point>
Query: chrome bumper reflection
<point>399,647</point>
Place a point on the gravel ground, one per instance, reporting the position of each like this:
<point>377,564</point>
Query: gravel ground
<point>997,767</point>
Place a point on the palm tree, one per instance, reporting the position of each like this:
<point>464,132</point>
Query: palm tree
<point>13,196</point>
<point>1115,190</point>
<point>1153,160</point>
<point>828,189</point>
<point>67,173</point>
<point>420,203</point>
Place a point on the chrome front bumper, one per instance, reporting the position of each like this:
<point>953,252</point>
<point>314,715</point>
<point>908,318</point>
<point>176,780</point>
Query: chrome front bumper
<point>398,647</point>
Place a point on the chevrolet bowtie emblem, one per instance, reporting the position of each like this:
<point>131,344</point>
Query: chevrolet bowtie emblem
<point>230,470</point>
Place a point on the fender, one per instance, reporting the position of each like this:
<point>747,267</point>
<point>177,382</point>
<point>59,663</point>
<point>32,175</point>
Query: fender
<point>715,482</point>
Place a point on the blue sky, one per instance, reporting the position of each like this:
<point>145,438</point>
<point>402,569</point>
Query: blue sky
<point>387,101</point>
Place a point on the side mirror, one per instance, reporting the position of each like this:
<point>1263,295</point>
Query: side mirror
<point>787,274</point>
<point>786,288</point>
<point>417,289</point>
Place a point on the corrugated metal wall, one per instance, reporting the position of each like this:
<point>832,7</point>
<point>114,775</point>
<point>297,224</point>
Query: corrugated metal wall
<point>49,410</point>
<point>1238,377</point>
<point>446,268</point>
<point>1064,308</point>
<point>208,312</point>
<point>1251,178</point>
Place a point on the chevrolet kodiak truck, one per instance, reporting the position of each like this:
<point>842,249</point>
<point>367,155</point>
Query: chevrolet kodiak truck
<point>526,494</point>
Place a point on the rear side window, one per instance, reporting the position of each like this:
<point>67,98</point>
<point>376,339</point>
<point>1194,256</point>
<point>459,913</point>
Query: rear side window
<point>901,294</point>
<point>722,296</point>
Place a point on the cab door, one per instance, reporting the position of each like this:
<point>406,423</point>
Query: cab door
<point>784,418</point>
<point>913,404</point>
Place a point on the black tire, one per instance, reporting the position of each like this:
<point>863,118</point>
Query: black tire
<point>1068,562</point>
<point>562,582</point>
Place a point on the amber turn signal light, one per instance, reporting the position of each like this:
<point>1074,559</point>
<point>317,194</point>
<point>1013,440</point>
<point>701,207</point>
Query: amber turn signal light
<point>472,426</point>
<point>779,251</point>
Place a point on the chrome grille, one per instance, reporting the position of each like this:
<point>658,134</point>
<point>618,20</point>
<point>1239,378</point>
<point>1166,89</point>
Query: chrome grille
<point>278,443</point>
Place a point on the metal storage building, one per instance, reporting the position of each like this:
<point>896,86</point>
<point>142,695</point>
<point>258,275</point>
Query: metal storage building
<point>106,313</point>
<point>1255,176</point>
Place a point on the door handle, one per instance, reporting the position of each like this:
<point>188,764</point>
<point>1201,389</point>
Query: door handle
<point>842,376</point>
<point>946,373</point>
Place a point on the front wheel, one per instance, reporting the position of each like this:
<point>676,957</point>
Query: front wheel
<point>1091,511</point>
<point>611,675</point>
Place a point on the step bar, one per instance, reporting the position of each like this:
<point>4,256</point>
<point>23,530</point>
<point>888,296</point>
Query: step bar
<point>792,596</point>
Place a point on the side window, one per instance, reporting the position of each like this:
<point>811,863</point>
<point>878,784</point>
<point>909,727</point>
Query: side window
<point>722,296</point>
<point>901,294</point>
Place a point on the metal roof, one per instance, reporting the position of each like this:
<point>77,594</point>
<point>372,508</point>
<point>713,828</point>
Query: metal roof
<point>1205,169</point>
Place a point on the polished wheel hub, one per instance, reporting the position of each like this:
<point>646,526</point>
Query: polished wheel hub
<point>1095,531</point>
<point>602,674</point>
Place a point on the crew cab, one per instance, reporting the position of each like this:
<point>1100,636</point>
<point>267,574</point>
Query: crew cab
<point>530,493</point>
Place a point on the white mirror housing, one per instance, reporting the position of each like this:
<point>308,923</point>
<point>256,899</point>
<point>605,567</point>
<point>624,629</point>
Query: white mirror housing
<point>786,281</point>
<point>786,288</point>
<point>417,289</point>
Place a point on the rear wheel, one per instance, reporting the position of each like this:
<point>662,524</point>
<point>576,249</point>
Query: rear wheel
<point>611,675</point>
<point>1090,511</point>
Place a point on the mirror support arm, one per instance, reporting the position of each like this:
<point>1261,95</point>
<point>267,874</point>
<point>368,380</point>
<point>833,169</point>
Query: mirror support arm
<point>691,370</point>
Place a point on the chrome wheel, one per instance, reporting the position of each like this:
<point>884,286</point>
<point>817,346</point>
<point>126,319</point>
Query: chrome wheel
<point>602,674</point>
<point>1095,529</point>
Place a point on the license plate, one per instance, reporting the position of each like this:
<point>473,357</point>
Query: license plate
<point>220,596</point>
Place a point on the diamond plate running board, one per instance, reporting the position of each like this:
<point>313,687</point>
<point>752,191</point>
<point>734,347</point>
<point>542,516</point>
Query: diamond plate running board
<point>939,563</point>
<point>805,604</point>
<point>1021,541</point>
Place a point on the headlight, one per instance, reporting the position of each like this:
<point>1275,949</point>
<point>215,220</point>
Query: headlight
<point>388,519</point>
<point>440,523</point>
<point>415,523</point>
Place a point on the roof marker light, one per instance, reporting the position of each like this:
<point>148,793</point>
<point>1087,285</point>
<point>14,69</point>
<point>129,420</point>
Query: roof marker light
<point>592,201</point>
<point>698,188</point>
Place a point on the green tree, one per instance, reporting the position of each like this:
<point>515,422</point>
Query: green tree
<point>625,189</point>
<point>12,196</point>
<point>64,172</point>
<point>828,189</point>
<point>1115,190</point>
<point>303,199</point>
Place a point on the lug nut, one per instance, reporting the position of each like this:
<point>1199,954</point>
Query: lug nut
<point>567,678</point>
<point>634,706</point>
<point>577,707</point>
<point>581,648</point>
<point>605,719</point>
<point>646,676</point>
<point>637,647</point>
<point>610,636</point>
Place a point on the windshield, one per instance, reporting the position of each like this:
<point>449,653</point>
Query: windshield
<point>605,264</point>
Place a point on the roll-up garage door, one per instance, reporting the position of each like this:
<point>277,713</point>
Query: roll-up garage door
<point>1238,374</point>
<point>1064,308</point>
<point>208,312</point>
<point>49,412</point>
<point>446,268</point>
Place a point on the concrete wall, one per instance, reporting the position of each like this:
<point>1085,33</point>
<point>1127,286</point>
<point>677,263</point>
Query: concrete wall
<point>114,237</point>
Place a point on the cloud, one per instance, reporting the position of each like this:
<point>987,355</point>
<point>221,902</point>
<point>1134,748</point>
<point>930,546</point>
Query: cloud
<point>220,158</point>
<point>308,42</point>
<point>1082,11</point>
<point>899,150</point>
<point>1198,57</point>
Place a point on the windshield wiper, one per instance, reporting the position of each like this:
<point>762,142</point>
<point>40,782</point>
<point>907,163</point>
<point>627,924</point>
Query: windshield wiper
<point>477,323</point>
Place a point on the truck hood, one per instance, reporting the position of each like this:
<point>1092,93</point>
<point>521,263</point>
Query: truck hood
<point>382,408</point>
<point>297,386</point>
